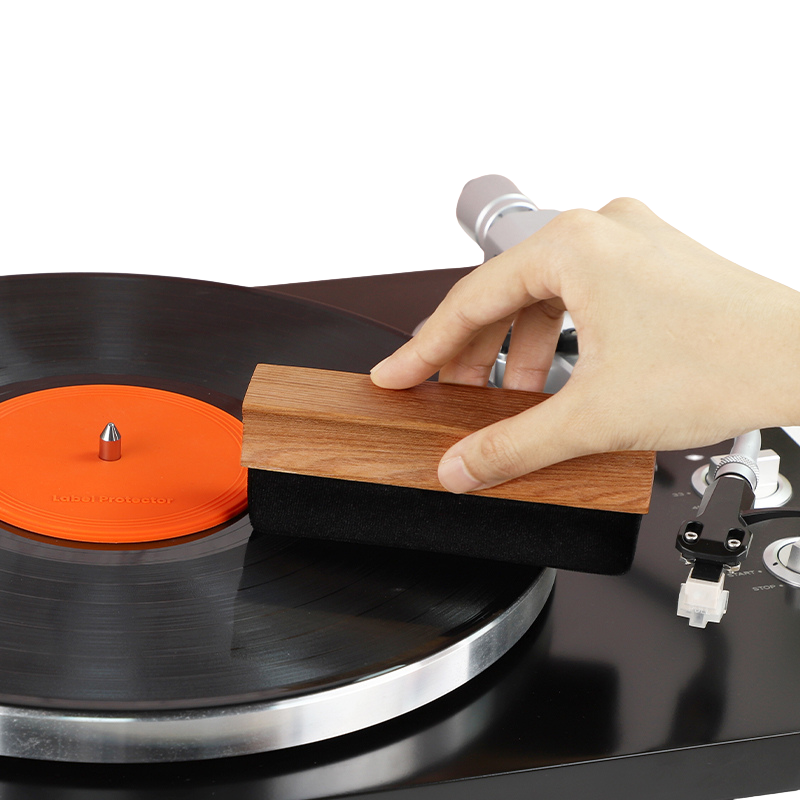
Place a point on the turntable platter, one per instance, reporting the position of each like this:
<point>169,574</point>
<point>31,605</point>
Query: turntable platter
<point>219,642</point>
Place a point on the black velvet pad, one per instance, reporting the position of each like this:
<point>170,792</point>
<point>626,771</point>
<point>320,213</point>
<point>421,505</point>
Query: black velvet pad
<point>468,525</point>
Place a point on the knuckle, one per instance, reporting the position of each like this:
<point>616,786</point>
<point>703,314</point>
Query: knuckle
<point>576,220</point>
<point>500,456</point>
<point>461,308</point>
<point>472,374</point>
<point>625,205</point>
<point>460,286</point>
<point>550,310</point>
<point>520,376</point>
<point>579,231</point>
<point>464,319</point>
<point>426,361</point>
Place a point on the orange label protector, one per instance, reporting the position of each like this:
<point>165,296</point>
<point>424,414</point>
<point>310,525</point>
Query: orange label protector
<point>178,473</point>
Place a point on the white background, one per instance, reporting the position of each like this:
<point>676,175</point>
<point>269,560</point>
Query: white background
<point>260,143</point>
<point>272,142</point>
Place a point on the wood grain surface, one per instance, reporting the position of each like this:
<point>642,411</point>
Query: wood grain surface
<point>340,425</point>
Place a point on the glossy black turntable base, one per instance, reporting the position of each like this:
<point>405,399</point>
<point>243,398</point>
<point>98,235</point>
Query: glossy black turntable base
<point>610,695</point>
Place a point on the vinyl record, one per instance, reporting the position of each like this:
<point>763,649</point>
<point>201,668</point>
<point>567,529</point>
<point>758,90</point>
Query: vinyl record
<point>163,646</point>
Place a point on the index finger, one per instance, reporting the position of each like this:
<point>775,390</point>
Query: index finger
<point>492,292</point>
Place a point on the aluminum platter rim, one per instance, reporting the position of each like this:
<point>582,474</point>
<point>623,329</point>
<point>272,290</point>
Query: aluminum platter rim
<point>225,731</point>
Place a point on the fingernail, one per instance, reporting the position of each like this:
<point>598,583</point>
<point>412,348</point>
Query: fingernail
<point>455,477</point>
<point>379,365</point>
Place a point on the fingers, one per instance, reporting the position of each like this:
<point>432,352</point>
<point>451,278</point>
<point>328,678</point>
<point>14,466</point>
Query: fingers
<point>533,342</point>
<point>473,365</point>
<point>491,294</point>
<point>545,434</point>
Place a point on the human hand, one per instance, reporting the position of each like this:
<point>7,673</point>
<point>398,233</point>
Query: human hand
<point>678,346</point>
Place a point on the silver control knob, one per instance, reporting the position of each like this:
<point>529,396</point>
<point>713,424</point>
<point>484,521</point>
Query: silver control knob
<point>782,559</point>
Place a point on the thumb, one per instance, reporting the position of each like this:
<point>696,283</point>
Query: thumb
<point>545,434</point>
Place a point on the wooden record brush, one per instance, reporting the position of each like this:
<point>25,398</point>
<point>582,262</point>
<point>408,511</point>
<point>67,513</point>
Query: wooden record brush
<point>332,456</point>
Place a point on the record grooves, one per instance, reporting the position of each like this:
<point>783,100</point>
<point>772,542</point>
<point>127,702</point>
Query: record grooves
<point>224,643</point>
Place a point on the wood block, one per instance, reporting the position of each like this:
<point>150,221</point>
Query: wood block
<point>340,425</point>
